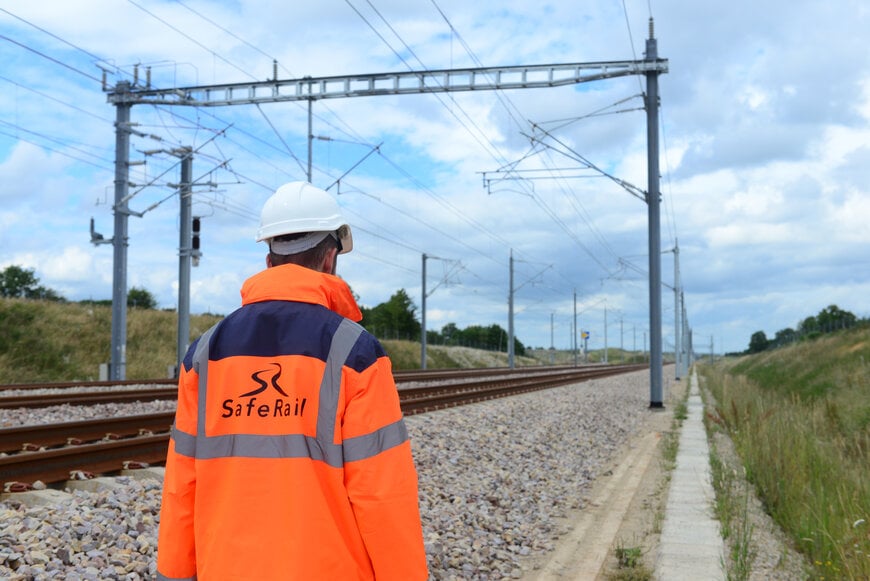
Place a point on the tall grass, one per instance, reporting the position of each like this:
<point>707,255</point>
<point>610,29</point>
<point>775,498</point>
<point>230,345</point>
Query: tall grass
<point>800,419</point>
<point>732,510</point>
<point>48,341</point>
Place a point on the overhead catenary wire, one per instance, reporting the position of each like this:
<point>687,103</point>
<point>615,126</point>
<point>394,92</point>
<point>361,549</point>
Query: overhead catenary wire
<point>70,67</point>
<point>56,100</point>
<point>428,224</point>
<point>228,137</point>
<point>479,136</point>
<point>568,151</point>
<point>596,113</point>
<point>560,178</point>
<point>347,131</point>
<point>222,59</point>
<point>51,58</point>
<point>569,194</point>
<point>56,141</point>
<point>56,37</point>
<point>446,204</point>
<point>60,152</point>
<point>191,39</point>
<point>669,198</point>
<point>561,183</point>
<point>563,187</point>
<point>506,102</point>
<point>631,39</point>
<point>280,138</point>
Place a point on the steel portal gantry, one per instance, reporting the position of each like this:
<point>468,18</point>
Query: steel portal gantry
<point>379,84</point>
<point>126,94</point>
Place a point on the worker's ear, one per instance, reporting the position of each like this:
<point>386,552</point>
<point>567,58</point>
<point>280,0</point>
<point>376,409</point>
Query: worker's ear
<point>268,261</point>
<point>330,261</point>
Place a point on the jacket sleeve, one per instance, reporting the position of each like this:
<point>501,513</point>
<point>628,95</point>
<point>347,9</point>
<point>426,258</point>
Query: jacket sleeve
<point>382,482</point>
<point>176,554</point>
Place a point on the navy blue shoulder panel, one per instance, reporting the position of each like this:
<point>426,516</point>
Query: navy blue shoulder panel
<point>272,328</point>
<point>365,352</point>
<point>187,362</point>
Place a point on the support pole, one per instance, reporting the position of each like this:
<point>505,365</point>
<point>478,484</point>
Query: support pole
<point>687,338</point>
<point>677,327</point>
<point>310,136</point>
<point>423,319</point>
<point>691,347</point>
<point>655,275</point>
<point>185,251</point>
<point>574,336</point>
<point>511,314</point>
<point>118,367</point>
<point>552,345</point>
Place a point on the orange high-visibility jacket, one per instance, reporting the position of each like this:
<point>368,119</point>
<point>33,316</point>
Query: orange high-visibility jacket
<point>289,458</point>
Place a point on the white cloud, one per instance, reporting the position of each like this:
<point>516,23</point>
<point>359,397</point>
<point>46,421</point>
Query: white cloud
<point>73,264</point>
<point>849,220</point>
<point>750,235</point>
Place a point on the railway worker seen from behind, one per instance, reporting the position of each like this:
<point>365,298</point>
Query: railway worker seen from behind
<point>289,458</point>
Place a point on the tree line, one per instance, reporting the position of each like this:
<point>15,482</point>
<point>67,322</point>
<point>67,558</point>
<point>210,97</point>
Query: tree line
<point>22,283</point>
<point>393,319</point>
<point>829,319</point>
<point>397,319</point>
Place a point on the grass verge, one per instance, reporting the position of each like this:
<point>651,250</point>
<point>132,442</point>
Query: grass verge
<point>732,509</point>
<point>804,440</point>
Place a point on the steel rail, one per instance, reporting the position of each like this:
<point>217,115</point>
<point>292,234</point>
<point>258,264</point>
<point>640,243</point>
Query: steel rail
<point>157,393</point>
<point>83,384</point>
<point>89,398</point>
<point>30,438</point>
<point>571,374</point>
<point>401,375</point>
<point>426,399</point>
<point>50,466</point>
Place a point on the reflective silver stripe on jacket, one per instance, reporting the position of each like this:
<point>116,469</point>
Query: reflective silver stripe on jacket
<point>320,447</point>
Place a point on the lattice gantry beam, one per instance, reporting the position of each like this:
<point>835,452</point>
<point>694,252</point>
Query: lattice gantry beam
<point>400,83</point>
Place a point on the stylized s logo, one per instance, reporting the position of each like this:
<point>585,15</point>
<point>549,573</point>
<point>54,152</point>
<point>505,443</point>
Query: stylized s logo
<point>263,385</point>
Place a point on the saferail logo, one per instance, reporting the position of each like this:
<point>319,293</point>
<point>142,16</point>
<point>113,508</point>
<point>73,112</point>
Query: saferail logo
<point>249,405</point>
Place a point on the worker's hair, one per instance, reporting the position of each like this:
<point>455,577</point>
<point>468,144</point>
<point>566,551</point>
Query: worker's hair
<point>311,258</point>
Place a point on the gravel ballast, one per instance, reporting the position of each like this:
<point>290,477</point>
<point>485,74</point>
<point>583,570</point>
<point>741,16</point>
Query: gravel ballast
<point>494,479</point>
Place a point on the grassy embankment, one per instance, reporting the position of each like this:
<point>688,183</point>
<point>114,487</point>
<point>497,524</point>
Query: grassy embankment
<point>47,341</point>
<point>800,420</point>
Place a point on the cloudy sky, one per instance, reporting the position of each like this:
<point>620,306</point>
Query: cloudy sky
<point>765,126</point>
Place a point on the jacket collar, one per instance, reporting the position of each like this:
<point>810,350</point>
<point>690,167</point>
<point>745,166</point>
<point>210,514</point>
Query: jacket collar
<point>290,282</point>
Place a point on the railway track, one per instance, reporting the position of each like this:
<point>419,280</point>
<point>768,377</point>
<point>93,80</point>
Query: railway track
<point>85,393</point>
<point>50,453</point>
<point>402,375</point>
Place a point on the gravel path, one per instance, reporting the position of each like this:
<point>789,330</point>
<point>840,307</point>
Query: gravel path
<point>494,477</point>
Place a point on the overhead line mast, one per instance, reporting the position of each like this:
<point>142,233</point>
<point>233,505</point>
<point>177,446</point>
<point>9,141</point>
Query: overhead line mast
<point>653,199</point>
<point>311,89</point>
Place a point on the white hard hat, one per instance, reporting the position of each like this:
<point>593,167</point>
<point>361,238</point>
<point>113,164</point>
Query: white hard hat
<point>299,207</point>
